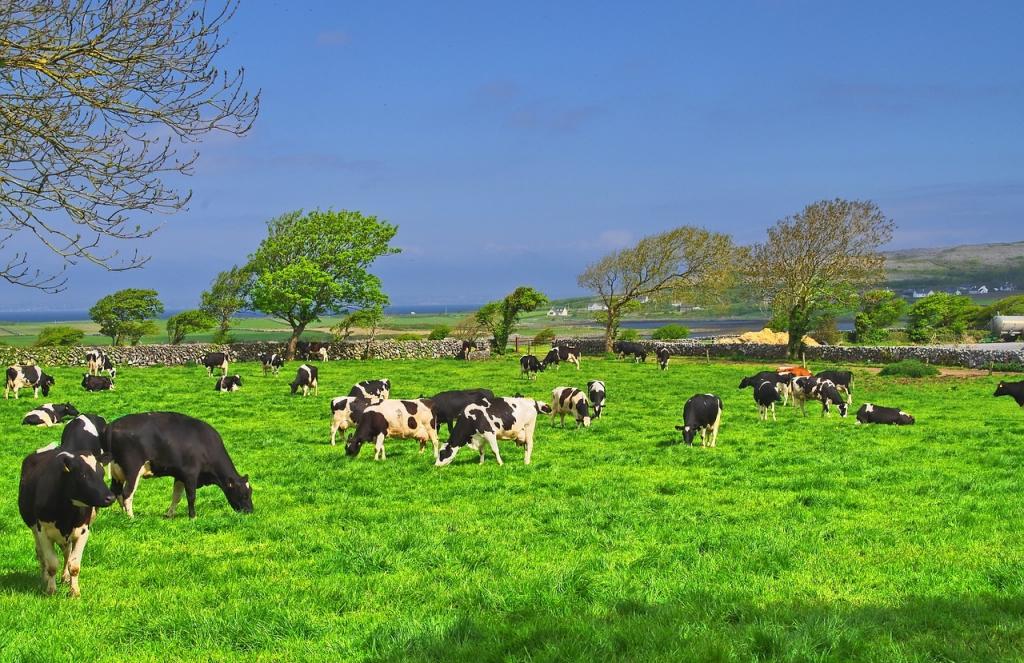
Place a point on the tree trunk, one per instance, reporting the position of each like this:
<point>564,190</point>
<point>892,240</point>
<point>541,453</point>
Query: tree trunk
<point>294,341</point>
<point>609,332</point>
<point>798,327</point>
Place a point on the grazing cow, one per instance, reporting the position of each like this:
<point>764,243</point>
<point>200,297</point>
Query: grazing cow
<point>345,413</point>
<point>271,362</point>
<point>529,366</point>
<point>310,350</point>
<point>85,433</point>
<point>213,360</point>
<point>561,353</point>
<point>228,383</point>
<point>783,380</point>
<point>493,420</point>
<point>843,380</point>
<point>663,355</point>
<point>448,405</point>
<point>596,393</point>
<point>24,376</point>
<point>57,498</point>
<point>701,413</point>
<point>412,419</point>
<point>569,400</point>
<point>1014,389</point>
<point>97,383</point>
<point>322,353</point>
<point>876,414</point>
<point>168,444</point>
<point>49,414</point>
<point>98,361</point>
<point>306,379</point>
<point>623,348</point>
<point>826,392</point>
<point>766,395</point>
<point>374,391</point>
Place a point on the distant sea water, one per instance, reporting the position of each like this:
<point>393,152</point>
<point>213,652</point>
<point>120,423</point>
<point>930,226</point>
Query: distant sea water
<point>76,315</point>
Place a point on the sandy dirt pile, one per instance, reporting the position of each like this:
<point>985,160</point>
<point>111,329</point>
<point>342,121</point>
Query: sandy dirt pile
<point>765,337</point>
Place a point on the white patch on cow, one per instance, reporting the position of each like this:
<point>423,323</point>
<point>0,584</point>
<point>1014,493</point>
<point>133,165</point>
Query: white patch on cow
<point>48,447</point>
<point>869,408</point>
<point>90,460</point>
<point>88,426</point>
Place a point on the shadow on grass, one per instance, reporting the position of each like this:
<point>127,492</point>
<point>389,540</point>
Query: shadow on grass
<point>21,582</point>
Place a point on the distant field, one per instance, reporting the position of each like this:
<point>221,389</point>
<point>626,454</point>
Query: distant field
<point>806,539</point>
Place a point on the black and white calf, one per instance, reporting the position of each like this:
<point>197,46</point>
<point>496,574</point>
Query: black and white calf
<point>97,383</point>
<point>663,355</point>
<point>306,379</point>
<point>59,494</point>
<point>22,377</point>
<point>569,400</point>
<point>86,433</point>
<point>98,362</point>
<point>561,353</point>
<point>448,405</point>
<point>214,360</point>
<point>1013,389</point>
<point>702,413</point>
<point>493,420</point>
<point>843,380</point>
<point>228,383</point>
<point>412,419</point>
<point>596,393</point>
<point>49,414</point>
<point>529,366</point>
<point>168,444</point>
<point>876,414</point>
<point>374,391</point>
<point>766,395</point>
<point>271,362</point>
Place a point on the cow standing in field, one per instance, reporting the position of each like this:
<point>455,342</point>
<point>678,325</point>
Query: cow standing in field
<point>346,410</point>
<point>271,362</point>
<point>1013,389</point>
<point>529,366</point>
<point>876,414</point>
<point>448,405</point>
<point>843,380</point>
<point>214,360</point>
<point>826,393</point>
<point>85,433</point>
<point>24,376</point>
<point>569,400</point>
<point>97,362</point>
<point>49,414</point>
<point>783,380</point>
<point>702,413</point>
<point>97,383</point>
<point>623,348</point>
<point>58,496</point>
<point>168,444</point>
<point>596,393</point>
<point>663,356</point>
<point>306,379</point>
<point>493,420</point>
<point>561,353</point>
<point>412,419</point>
<point>766,395</point>
<point>228,383</point>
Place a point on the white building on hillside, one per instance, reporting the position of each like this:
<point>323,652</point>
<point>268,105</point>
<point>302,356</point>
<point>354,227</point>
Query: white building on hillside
<point>561,312</point>
<point>597,306</point>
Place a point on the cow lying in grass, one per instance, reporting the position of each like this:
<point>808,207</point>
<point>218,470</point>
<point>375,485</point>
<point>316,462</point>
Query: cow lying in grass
<point>49,414</point>
<point>876,414</point>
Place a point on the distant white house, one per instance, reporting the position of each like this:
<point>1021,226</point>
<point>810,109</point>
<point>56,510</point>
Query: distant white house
<point>561,312</point>
<point>982,290</point>
<point>597,306</point>
<point>917,294</point>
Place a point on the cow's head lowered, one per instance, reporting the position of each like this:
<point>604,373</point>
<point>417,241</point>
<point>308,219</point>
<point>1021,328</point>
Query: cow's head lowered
<point>239,493</point>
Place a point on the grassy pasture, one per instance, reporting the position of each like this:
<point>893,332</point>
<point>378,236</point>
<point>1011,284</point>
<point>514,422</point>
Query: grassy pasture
<point>805,539</point>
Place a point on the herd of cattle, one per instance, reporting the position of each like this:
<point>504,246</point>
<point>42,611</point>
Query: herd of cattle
<point>62,485</point>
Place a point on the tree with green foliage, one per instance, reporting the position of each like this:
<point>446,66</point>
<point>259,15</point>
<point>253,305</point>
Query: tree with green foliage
<point>187,322</point>
<point>940,314</point>
<point>670,332</point>
<point>59,335</point>
<point>879,310</point>
<point>1012,305</point>
<point>317,264</point>
<point>501,316</point>
<point>818,260</point>
<point>684,262</point>
<point>126,315</point>
<point>224,299</point>
<point>439,333</point>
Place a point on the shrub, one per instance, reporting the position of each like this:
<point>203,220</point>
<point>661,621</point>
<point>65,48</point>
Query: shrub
<point>628,335</point>
<point>407,337</point>
<point>909,368</point>
<point>938,315</point>
<point>544,336</point>
<point>59,335</point>
<point>439,333</point>
<point>879,309</point>
<point>670,333</point>
<point>1012,367</point>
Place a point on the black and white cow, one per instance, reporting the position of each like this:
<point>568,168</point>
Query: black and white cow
<point>876,414</point>
<point>271,362</point>
<point>529,366</point>
<point>214,360</point>
<point>702,413</point>
<point>637,350</point>
<point>467,350</point>
<point>406,419</point>
<point>561,353</point>
<point>59,494</point>
<point>493,420</point>
<point>826,393</point>
<point>596,393</point>
<point>98,362</point>
<point>766,395</point>
<point>345,413</point>
<point>24,376</point>
<point>843,380</point>
<point>311,350</point>
<point>97,383</point>
<point>306,379</point>
<point>663,356</point>
<point>168,444</point>
<point>228,383</point>
<point>448,405</point>
<point>1014,389</point>
<point>374,391</point>
<point>783,380</point>
<point>85,433</point>
<point>569,400</point>
<point>49,414</point>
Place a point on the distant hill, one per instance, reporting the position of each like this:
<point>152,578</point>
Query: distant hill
<point>970,264</point>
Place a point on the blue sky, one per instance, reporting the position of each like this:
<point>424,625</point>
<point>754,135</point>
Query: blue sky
<point>514,143</point>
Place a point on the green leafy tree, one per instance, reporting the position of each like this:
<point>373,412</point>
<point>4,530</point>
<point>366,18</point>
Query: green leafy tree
<point>940,314</point>
<point>501,316</point>
<point>59,335</point>
<point>224,299</point>
<point>187,322</point>
<point>317,264</point>
<point>879,309</point>
<point>125,316</point>
<point>1012,305</point>
<point>439,333</point>
<point>670,333</point>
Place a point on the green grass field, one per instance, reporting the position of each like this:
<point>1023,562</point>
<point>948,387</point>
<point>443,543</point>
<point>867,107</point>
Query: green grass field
<point>803,540</point>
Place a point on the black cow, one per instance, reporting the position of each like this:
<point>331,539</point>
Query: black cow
<point>623,348</point>
<point>374,391</point>
<point>22,377</point>
<point>467,348</point>
<point>228,383</point>
<point>1014,389</point>
<point>663,355</point>
<point>85,433</point>
<point>49,414</point>
<point>272,362</point>
<point>766,395</point>
<point>843,380</point>
<point>306,379</point>
<point>97,383</point>
<point>569,400</point>
<point>596,393</point>
<point>501,418</point>
<point>212,360</point>
<point>703,413</point>
<point>168,444</point>
<point>57,498</point>
<point>529,366</point>
<point>448,405</point>
<point>561,353</point>
<point>876,414</point>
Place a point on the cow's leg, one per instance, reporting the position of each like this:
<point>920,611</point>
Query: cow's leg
<point>773,414</point>
<point>434,439</point>
<point>130,484</point>
<point>378,446</point>
<point>714,429</point>
<point>74,562</point>
<point>179,487</point>
<point>190,495</point>
<point>492,439</point>
<point>316,387</point>
<point>47,559</point>
<point>335,425</point>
